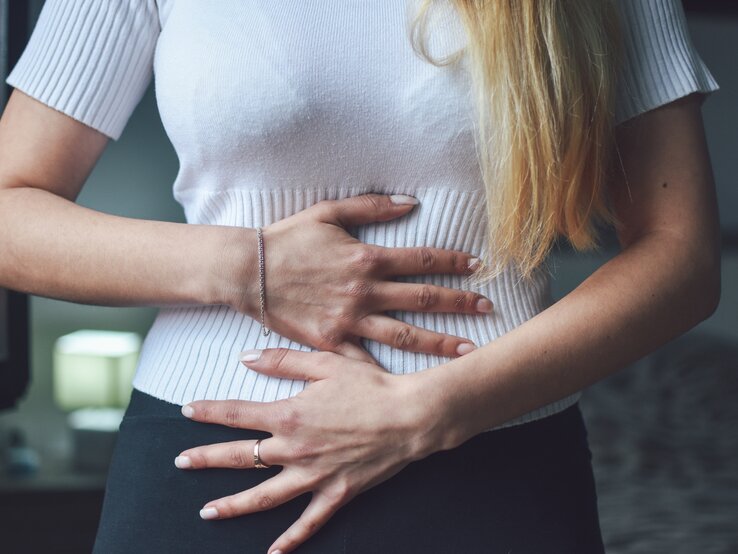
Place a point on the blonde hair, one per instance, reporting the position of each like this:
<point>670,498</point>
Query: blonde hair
<point>543,73</point>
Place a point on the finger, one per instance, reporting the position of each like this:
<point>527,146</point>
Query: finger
<point>367,208</point>
<point>233,454</point>
<point>293,364</point>
<point>277,490</point>
<point>417,297</point>
<point>408,337</point>
<point>321,508</point>
<point>355,351</point>
<point>423,259</point>
<point>244,414</point>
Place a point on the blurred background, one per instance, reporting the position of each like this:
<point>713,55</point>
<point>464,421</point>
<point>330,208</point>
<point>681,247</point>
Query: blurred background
<point>662,431</point>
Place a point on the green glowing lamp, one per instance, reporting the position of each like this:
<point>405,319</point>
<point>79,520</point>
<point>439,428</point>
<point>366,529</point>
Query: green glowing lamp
<point>94,369</point>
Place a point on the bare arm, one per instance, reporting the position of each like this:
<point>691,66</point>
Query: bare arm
<point>665,280</point>
<point>50,246</point>
<point>53,247</point>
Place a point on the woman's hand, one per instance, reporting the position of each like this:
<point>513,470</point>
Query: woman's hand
<point>353,426</point>
<point>326,289</point>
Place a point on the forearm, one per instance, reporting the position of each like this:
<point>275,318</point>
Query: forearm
<point>650,293</point>
<point>50,246</point>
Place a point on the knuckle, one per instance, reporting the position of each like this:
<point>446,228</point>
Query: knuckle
<point>456,261</point>
<point>278,356</point>
<point>265,501</point>
<point>227,508</point>
<point>344,316</point>
<point>330,335</point>
<point>471,301</point>
<point>288,420</point>
<point>364,258</point>
<point>339,493</point>
<point>405,337</point>
<point>310,526</point>
<point>302,450</point>
<point>198,458</point>
<point>371,202</point>
<point>426,258</point>
<point>440,344</point>
<point>465,301</point>
<point>205,412</point>
<point>232,415</point>
<point>426,297</point>
<point>237,456</point>
<point>358,289</point>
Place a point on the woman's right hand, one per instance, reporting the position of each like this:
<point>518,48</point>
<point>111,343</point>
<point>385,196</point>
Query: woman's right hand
<point>326,289</point>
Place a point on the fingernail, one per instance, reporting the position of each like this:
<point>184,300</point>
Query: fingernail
<point>183,462</point>
<point>188,411</point>
<point>276,552</point>
<point>403,199</point>
<point>484,305</point>
<point>465,348</point>
<point>249,355</point>
<point>472,262</point>
<point>209,513</point>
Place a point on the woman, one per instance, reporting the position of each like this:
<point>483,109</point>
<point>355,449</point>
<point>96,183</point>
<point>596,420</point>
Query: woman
<point>338,186</point>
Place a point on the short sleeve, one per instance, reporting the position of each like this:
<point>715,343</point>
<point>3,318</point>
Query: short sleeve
<point>660,63</point>
<point>90,59</point>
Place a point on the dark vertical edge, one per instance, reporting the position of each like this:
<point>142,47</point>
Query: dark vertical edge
<point>17,27</point>
<point>15,371</point>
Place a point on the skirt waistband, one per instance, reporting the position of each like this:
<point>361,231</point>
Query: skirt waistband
<point>547,429</point>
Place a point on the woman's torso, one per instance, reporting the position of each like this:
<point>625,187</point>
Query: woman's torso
<point>272,107</point>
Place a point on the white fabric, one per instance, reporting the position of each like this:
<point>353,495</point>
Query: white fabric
<point>273,106</point>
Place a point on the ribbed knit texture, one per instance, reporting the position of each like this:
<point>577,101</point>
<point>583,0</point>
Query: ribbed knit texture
<point>191,341</point>
<point>91,60</point>
<point>661,63</point>
<point>274,106</point>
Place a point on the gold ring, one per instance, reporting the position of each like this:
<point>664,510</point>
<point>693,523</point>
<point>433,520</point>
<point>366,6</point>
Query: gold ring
<point>257,460</point>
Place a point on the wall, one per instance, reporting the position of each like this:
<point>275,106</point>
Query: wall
<point>716,39</point>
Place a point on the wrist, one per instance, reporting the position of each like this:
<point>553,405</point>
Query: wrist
<point>235,273</point>
<point>436,421</point>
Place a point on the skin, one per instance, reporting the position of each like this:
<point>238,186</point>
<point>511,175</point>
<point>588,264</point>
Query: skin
<point>664,281</point>
<point>50,246</point>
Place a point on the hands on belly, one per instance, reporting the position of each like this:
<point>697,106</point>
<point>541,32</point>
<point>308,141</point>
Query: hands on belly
<point>355,424</point>
<point>326,289</point>
<point>353,427</point>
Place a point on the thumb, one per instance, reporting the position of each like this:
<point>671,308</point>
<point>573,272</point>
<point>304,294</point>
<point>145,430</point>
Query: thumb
<point>368,208</point>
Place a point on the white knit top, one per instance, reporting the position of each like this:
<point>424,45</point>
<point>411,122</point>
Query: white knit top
<point>273,106</point>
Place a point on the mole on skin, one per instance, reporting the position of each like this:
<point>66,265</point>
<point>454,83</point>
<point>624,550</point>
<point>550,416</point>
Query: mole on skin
<point>664,185</point>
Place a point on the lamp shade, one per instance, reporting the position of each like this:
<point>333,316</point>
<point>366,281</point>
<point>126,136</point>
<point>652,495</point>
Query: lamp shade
<point>94,368</point>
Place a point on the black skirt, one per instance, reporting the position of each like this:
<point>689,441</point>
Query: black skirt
<point>525,489</point>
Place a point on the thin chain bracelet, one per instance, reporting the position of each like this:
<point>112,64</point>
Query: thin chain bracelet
<point>262,278</point>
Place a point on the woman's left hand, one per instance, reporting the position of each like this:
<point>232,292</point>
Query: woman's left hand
<point>352,427</point>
